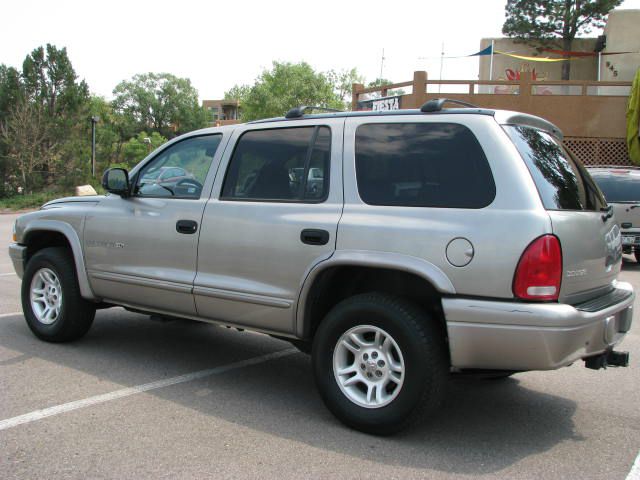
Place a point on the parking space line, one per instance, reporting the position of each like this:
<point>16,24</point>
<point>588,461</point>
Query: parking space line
<point>125,392</point>
<point>634,473</point>
<point>12,314</point>
<point>6,274</point>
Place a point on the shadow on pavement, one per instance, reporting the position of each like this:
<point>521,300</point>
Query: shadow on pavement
<point>484,427</point>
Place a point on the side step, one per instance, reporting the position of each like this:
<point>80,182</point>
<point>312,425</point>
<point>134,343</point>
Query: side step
<point>608,359</point>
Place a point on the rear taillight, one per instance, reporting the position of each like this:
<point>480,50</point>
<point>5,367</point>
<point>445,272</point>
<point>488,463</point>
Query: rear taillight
<point>539,271</point>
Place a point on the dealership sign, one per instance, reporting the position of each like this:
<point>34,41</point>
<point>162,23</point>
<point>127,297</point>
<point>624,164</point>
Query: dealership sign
<point>380,104</point>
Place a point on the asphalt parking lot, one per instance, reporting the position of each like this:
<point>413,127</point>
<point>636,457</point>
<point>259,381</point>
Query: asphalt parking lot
<point>144,399</point>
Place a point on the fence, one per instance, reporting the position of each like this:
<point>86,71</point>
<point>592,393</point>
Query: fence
<point>591,114</point>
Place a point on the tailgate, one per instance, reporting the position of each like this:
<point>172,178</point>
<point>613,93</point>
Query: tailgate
<point>586,227</point>
<point>591,253</point>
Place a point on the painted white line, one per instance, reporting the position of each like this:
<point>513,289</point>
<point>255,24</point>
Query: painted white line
<point>6,274</point>
<point>634,473</point>
<point>12,314</point>
<point>125,392</point>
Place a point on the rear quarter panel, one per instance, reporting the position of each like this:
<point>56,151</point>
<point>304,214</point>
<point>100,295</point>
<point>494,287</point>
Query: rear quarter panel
<point>499,232</point>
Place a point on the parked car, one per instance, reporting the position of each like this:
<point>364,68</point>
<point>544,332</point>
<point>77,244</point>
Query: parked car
<point>621,188</point>
<point>435,242</point>
<point>166,178</point>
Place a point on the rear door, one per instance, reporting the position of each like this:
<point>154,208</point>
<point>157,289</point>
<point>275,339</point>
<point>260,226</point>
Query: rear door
<point>588,234</point>
<point>266,224</point>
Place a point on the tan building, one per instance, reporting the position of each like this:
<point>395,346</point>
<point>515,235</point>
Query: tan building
<point>222,112</point>
<point>621,34</point>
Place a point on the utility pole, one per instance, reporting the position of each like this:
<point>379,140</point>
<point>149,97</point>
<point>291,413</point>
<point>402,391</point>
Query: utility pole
<point>441,64</point>
<point>381,64</point>
<point>94,120</point>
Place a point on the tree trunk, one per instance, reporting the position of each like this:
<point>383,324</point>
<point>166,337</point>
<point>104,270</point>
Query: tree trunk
<point>566,65</point>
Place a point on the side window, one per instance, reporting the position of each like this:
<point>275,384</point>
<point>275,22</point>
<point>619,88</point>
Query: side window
<point>422,165</point>
<point>283,164</point>
<point>180,170</point>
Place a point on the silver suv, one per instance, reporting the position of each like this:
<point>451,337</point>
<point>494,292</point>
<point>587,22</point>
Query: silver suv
<point>397,247</point>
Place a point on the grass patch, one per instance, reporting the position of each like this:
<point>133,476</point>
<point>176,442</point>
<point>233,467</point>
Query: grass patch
<point>31,200</point>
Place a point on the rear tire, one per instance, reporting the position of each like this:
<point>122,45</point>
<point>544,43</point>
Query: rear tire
<point>399,384</point>
<point>51,301</point>
<point>636,253</point>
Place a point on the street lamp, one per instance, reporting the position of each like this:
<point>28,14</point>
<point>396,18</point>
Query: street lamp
<point>94,120</point>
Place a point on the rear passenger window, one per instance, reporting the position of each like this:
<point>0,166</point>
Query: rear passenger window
<point>422,165</point>
<point>283,164</point>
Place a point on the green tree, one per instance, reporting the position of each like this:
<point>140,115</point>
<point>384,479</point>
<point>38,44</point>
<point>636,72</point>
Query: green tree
<point>138,147</point>
<point>544,22</point>
<point>44,122</point>
<point>10,95</point>
<point>381,82</point>
<point>160,102</point>
<point>284,86</point>
<point>343,84</point>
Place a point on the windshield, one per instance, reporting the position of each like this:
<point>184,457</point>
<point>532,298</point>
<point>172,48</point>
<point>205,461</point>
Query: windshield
<point>562,181</point>
<point>619,187</point>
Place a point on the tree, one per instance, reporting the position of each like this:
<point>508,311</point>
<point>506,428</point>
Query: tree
<point>381,82</point>
<point>43,121</point>
<point>284,86</point>
<point>140,146</point>
<point>24,131</point>
<point>10,95</point>
<point>161,102</point>
<point>541,22</point>
<point>343,84</point>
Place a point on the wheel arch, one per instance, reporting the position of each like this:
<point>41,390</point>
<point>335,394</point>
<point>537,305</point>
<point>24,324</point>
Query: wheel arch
<point>41,234</point>
<point>348,273</point>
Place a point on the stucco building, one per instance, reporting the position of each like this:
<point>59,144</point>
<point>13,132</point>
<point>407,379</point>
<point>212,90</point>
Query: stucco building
<point>621,34</point>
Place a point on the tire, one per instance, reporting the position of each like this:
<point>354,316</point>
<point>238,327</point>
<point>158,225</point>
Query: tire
<point>636,253</point>
<point>417,342</point>
<point>74,314</point>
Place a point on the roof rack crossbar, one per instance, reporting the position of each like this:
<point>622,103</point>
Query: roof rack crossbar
<point>298,112</point>
<point>436,104</point>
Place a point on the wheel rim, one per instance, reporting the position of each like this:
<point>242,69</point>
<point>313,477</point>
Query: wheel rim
<point>46,296</point>
<point>368,366</point>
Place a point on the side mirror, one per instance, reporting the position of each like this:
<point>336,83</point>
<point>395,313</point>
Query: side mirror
<point>116,180</point>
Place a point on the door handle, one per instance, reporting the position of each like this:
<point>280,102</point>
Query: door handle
<point>186,226</point>
<point>312,236</point>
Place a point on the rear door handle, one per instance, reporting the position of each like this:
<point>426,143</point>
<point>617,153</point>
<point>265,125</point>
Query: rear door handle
<point>312,236</point>
<point>186,226</point>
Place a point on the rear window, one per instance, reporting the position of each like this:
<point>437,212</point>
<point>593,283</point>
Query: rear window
<point>562,182</point>
<point>618,187</point>
<point>422,165</point>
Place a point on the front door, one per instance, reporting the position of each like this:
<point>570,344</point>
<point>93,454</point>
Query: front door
<point>141,250</point>
<point>271,218</point>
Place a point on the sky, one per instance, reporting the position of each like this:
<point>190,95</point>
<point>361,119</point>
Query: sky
<point>219,44</point>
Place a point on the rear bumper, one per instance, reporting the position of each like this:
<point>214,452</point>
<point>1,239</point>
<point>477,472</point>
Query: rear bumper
<point>18,254</point>
<point>526,336</point>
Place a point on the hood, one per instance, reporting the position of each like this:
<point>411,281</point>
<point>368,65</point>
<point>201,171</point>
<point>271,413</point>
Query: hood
<point>86,201</point>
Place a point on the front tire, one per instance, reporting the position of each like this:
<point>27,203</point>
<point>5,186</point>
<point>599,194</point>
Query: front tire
<point>51,301</point>
<point>380,363</point>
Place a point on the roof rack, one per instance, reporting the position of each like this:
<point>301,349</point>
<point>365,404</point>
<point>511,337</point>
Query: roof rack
<point>436,104</point>
<point>298,112</point>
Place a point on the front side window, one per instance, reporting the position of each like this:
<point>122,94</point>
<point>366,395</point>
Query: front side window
<point>422,165</point>
<point>284,164</point>
<point>180,170</point>
<point>562,181</point>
